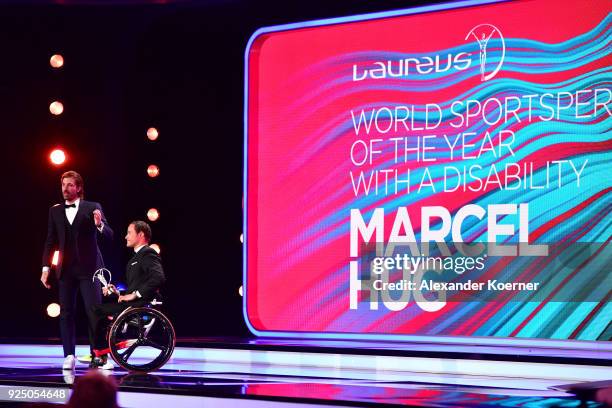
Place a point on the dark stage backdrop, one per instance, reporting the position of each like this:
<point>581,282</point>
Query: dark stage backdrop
<point>178,67</point>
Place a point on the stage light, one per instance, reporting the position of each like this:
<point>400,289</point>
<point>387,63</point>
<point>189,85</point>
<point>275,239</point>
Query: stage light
<point>156,248</point>
<point>240,290</point>
<point>153,214</point>
<point>55,259</point>
<point>152,133</point>
<point>153,171</point>
<point>57,157</point>
<point>53,310</point>
<point>56,61</point>
<point>56,108</point>
<point>242,238</point>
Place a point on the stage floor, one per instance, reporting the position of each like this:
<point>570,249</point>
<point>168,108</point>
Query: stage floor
<point>269,373</point>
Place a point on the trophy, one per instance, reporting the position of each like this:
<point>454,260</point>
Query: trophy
<point>100,275</point>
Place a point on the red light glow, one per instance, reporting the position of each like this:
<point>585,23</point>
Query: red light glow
<point>153,214</point>
<point>57,157</point>
<point>56,108</point>
<point>56,61</point>
<point>153,170</point>
<point>152,133</point>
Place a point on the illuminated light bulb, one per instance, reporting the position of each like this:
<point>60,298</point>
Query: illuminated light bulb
<point>156,248</point>
<point>56,61</point>
<point>56,108</point>
<point>53,310</point>
<point>242,238</point>
<point>153,171</point>
<point>57,157</point>
<point>152,133</point>
<point>153,214</point>
<point>240,290</point>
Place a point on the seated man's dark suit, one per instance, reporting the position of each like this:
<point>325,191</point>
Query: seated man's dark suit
<point>144,275</point>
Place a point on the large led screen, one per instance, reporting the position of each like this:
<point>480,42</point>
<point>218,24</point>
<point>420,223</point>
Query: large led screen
<point>442,171</point>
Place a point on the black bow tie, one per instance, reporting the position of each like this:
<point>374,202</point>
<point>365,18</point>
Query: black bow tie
<point>73,205</point>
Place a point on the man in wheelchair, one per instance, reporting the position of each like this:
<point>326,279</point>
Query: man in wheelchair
<point>144,276</point>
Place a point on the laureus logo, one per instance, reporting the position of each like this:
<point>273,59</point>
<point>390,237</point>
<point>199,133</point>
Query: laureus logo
<point>483,33</point>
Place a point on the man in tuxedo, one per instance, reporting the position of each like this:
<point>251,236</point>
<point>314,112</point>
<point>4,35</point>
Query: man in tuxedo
<point>144,276</point>
<point>74,229</point>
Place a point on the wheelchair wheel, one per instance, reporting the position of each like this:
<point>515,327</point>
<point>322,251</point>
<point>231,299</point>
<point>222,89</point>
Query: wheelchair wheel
<point>141,339</point>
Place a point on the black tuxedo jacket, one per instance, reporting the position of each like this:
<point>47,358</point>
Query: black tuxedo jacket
<point>86,236</point>
<point>144,273</point>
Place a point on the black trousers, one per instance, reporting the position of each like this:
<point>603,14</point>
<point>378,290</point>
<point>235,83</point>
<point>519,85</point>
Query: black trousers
<point>98,316</point>
<point>91,292</point>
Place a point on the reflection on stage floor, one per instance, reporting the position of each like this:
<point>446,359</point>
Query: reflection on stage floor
<point>269,375</point>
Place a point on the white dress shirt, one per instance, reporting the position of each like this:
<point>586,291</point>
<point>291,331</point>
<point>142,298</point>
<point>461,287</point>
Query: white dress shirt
<point>72,211</point>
